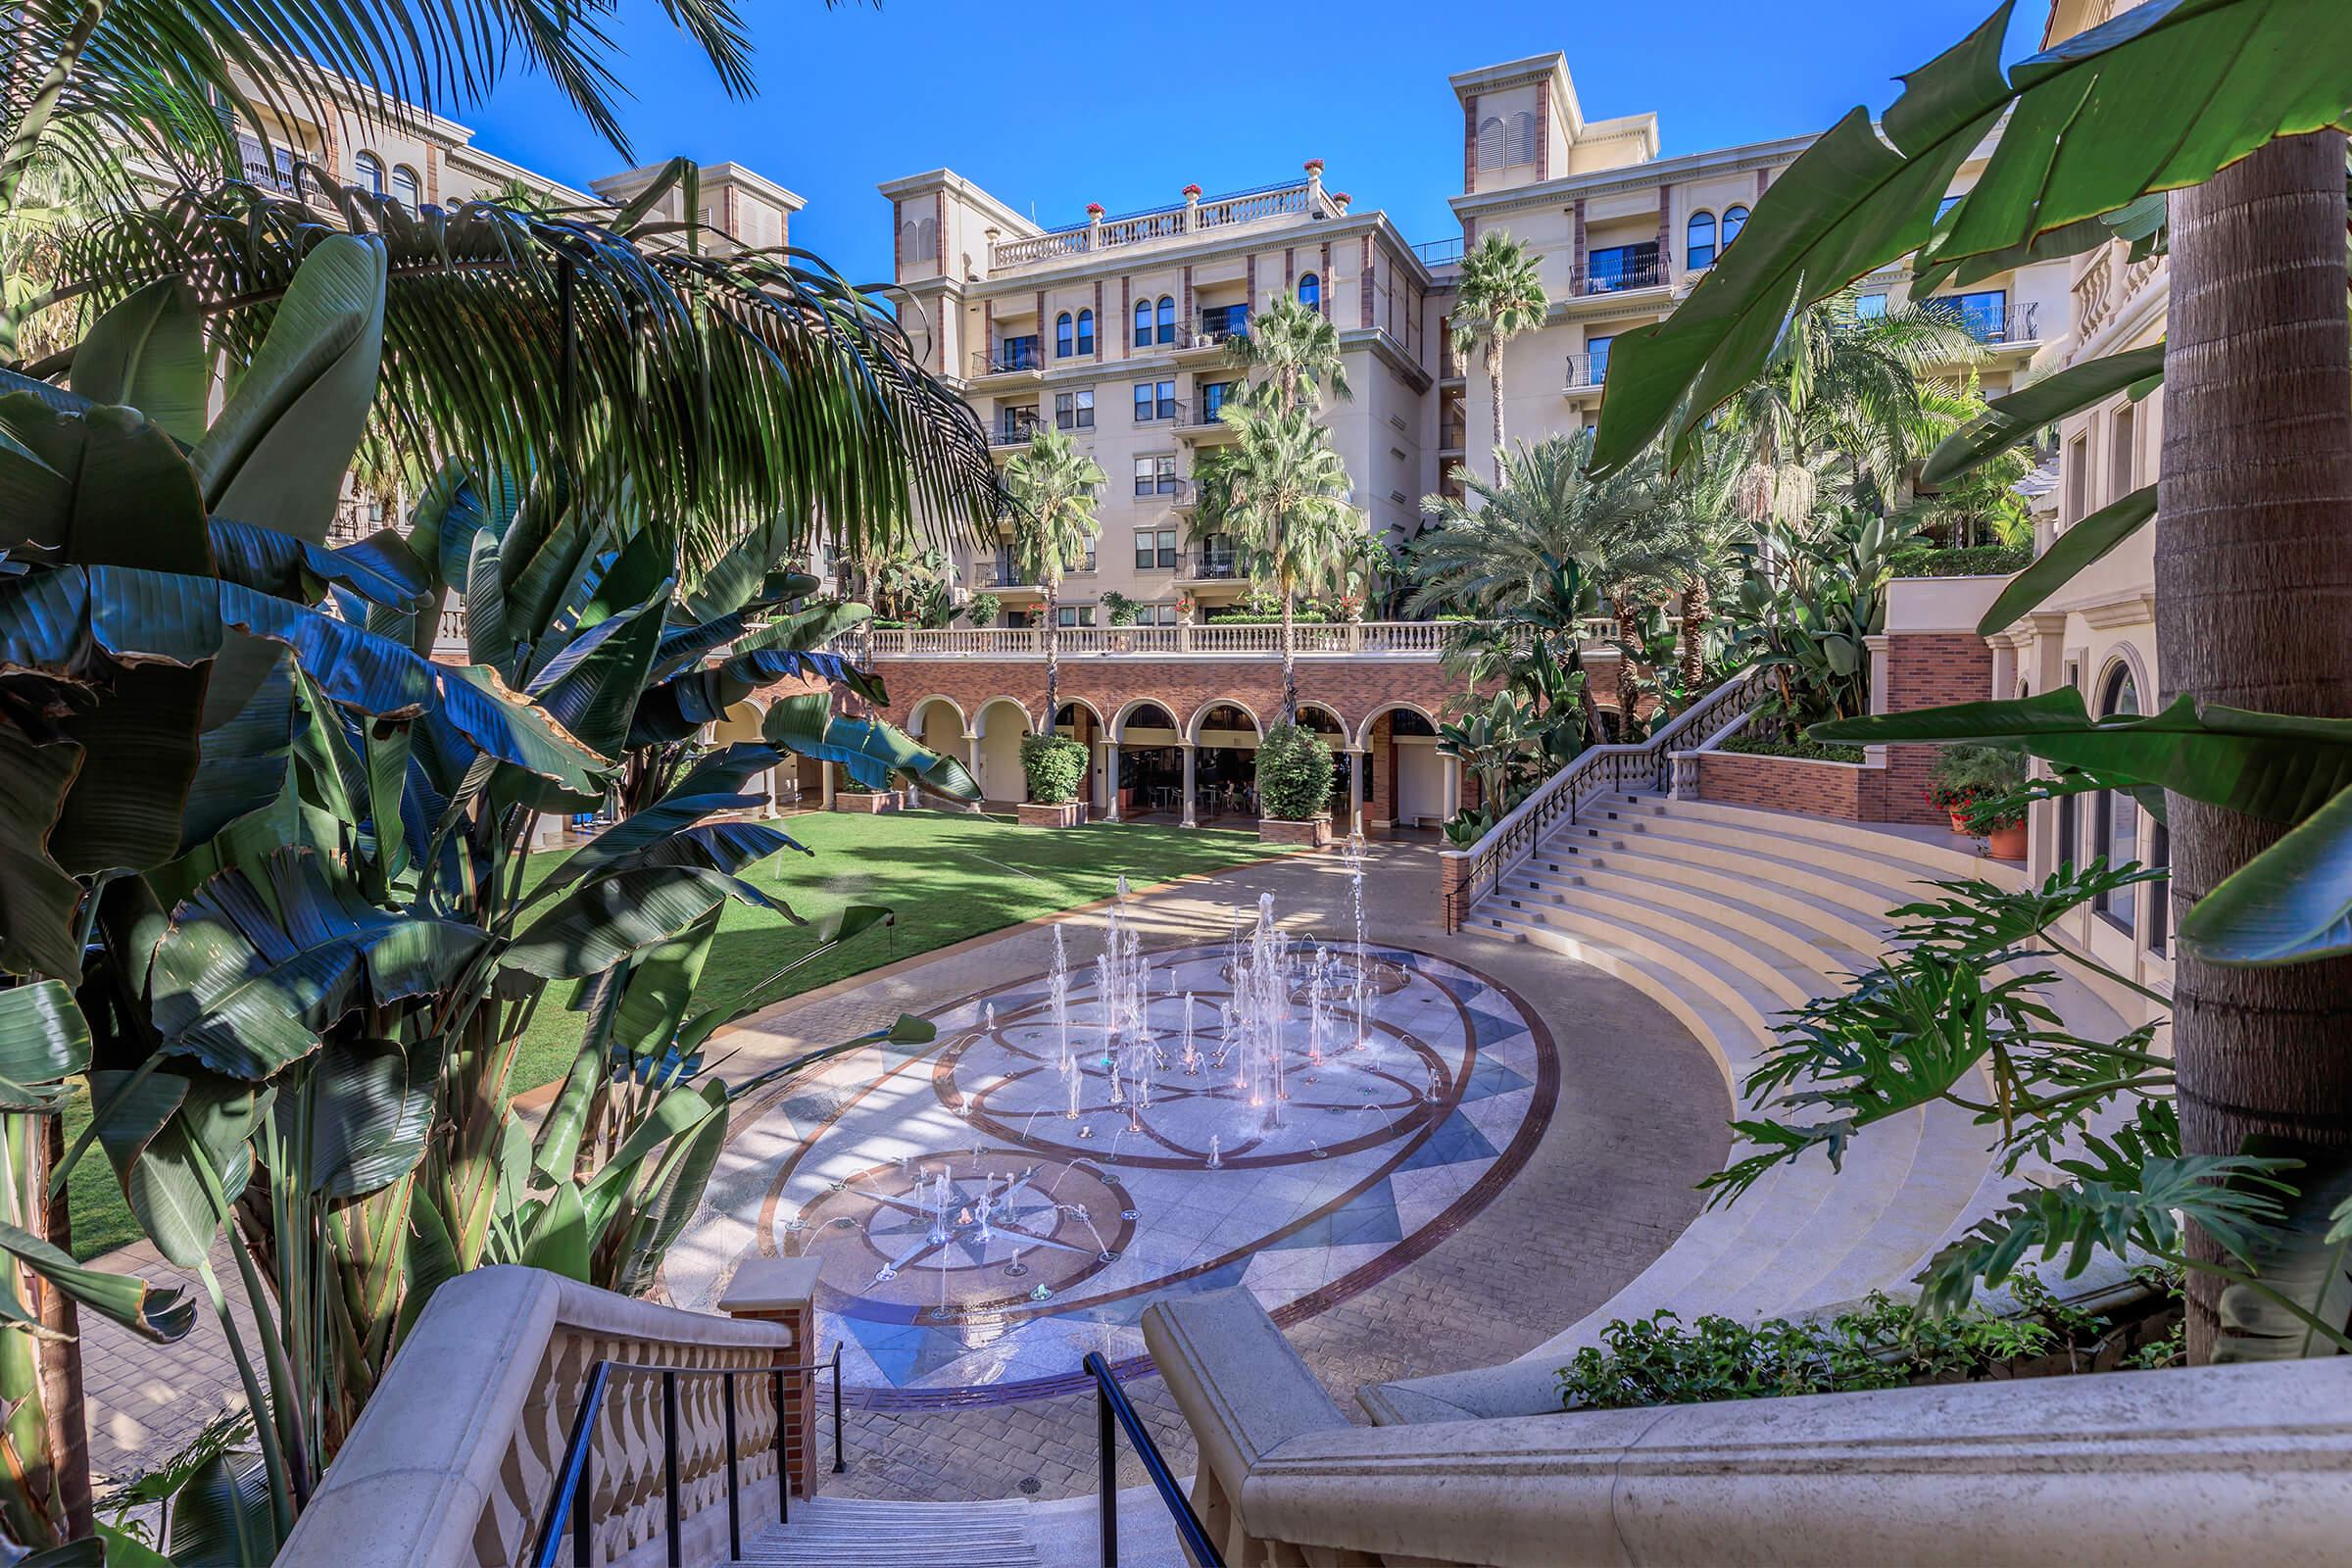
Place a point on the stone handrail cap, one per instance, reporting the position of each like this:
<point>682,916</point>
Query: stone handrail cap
<point>770,1284</point>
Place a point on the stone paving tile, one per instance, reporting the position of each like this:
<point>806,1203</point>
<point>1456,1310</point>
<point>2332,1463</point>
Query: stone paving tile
<point>1640,1119</point>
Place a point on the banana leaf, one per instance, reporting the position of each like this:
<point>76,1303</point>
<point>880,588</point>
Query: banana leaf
<point>2277,766</point>
<point>148,352</point>
<point>2156,99</point>
<point>381,568</point>
<point>38,901</point>
<point>615,916</point>
<point>2089,539</point>
<point>870,749</point>
<point>159,1315</point>
<point>257,963</point>
<point>43,1040</point>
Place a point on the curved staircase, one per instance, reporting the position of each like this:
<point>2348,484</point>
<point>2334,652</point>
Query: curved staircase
<point>1728,917</point>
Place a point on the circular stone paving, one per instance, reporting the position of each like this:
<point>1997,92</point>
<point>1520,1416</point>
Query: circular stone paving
<point>992,1207</point>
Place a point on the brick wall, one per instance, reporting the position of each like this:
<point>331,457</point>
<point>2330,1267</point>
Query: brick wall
<point>1927,670</point>
<point>1791,784</point>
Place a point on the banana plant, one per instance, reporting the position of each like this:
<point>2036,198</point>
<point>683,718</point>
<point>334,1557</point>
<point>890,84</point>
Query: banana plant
<point>269,889</point>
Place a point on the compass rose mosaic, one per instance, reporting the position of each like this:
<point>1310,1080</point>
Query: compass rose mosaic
<point>1297,1120</point>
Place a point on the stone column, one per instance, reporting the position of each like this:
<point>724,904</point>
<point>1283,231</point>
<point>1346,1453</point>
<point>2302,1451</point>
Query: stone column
<point>1449,798</point>
<point>1189,819</point>
<point>829,776</point>
<point>777,1290</point>
<point>1110,780</point>
<point>1358,762</point>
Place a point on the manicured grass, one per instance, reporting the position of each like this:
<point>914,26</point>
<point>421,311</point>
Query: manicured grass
<point>947,876</point>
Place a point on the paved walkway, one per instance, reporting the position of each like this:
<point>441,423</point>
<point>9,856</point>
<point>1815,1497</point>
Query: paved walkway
<point>1639,1121</point>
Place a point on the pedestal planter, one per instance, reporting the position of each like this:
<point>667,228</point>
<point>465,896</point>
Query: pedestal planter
<point>1035,814</point>
<point>875,804</point>
<point>1314,833</point>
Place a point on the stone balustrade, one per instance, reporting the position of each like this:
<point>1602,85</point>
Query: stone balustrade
<point>1300,199</point>
<point>2251,1464</point>
<point>1402,639</point>
<point>455,1460</point>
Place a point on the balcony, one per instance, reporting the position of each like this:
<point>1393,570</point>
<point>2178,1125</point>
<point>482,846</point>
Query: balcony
<point>1013,429</point>
<point>1418,639</point>
<point>1019,356</point>
<point>1290,202</point>
<point>1587,373</point>
<point>1438,252</point>
<point>1216,329</point>
<point>269,167</point>
<point>1205,427</point>
<point>1211,566</point>
<point>1619,279</point>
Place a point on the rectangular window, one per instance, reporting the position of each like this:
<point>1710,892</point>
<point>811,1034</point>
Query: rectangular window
<point>1017,354</point>
<point>2160,894</point>
<point>1074,614</point>
<point>2123,460</point>
<point>1870,307</point>
<point>1619,266</point>
<point>2078,481</point>
<point>1074,411</point>
<point>1155,476</point>
<point>1154,549</point>
<point>1597,359</point>
<point>1155,400</point>
<point>1984,314</point>
<point>1212,399</point>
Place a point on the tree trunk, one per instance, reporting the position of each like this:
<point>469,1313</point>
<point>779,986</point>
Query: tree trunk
<point>1495,391</point>
<point>2254,610</point>
<point>61,1358</point>
<point>1696,610</point>
<point>1053,589</point>
<point>1290,665</point>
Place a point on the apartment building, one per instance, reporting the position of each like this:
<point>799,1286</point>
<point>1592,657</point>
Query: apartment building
<point>1116,329</point>
<point>1625,235</point>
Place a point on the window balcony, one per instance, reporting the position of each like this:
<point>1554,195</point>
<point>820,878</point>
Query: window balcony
<point>1621,278</point>
<point>1211,566</point>
<point>1165,411</point>
<point>1019,356</point>
<point>269,167</point>
<point>1013,428</point>
<point>1170,492</point>
<point>1587,373</point>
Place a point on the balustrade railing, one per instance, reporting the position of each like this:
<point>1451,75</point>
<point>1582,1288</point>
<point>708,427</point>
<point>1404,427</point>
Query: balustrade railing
<point>1407,639</point>
<point>1297,200</point>
<point>1467,875</point>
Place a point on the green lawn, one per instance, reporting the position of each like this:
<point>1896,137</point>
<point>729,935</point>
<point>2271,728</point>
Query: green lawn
<point>948,876</point>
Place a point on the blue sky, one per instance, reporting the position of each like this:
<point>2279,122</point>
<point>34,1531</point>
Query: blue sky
<point>1050,103</point>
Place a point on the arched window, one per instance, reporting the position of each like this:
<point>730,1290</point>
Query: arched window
<point>1167,318</point>
<point>1086,332</point>
<point>911,242</point>
<point>407,189</point>
<point>2114,818</point>
<point>1699,241</point>
<point>368,171</point>
<point>1311,292</point>
<point>1520,146</point>
<point>926,240</point>
<point>1490,142</point>
<point>1735,218</point>
<point>1142,323</point>
<point>1061,336</point>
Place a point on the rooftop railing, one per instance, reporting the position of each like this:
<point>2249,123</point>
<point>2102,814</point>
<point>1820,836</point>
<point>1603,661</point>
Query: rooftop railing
<point>1438,252</point>
<point>1299,199</point>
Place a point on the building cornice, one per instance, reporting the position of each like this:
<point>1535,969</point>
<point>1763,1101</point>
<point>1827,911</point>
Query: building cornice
<point>944,179</point>
<point>1637,177</point>
<point>631,181</point>
<point>1238,242</point>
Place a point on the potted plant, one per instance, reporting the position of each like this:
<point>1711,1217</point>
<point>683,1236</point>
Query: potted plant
<point>1294,787</point>
<point>1976,785</point>
<point>1055,765</point>
<point>982,608</point>
<point>858,800</point>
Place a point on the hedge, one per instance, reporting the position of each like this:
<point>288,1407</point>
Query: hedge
<point>1293,774</point>
<point>1055,765</point>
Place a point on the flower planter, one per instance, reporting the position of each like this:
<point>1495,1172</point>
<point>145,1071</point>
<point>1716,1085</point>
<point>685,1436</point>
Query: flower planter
<point>2007,843</point>
<point>1960,825</point>
<point>1314,833</point>
<point>877,804</point>
<point>1037,813</point>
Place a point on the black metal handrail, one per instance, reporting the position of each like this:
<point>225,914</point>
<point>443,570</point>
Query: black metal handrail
<point>1559,798</point>
<point>1619,278</point>
<point>575,1476</point>
<point>1112,1412</point>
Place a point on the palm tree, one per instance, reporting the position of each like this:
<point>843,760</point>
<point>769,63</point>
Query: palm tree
<point>1501,295</point>
<point>1298,349</point>
<point>1845,396</point>
<point>1053,485</point>
<point>1696,523</point>
<point>1287,508</point>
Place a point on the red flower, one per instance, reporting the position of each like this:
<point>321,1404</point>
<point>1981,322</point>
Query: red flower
<point>1192,191</point>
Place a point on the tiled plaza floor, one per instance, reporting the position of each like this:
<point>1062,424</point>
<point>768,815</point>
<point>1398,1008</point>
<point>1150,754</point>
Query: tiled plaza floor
<point>1638,1119</point>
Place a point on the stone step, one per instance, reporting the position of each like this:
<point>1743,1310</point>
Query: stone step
<point>1751,920</point>
<point>842,1533</point>
<point>1944,861</point>
<point>1832,918</point>
<point>1861,881</point>
<point>1767,973</point>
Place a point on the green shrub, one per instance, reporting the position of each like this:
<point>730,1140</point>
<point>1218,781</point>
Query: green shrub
<point>1974,781</point>
<point>1121,608</point>
<point>1976,560</point>
<point>1881,1344</point>
<point>1244,616</point>
<point>1293,774</point>
<point>1809,751</point>
<point>983,609</point>
<point>1055,765</point>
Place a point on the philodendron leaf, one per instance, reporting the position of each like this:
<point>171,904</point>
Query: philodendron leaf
<point>2007,420</point>
<point>2291,904</point>
<point>2278,766</point>
<point>2070,553</point>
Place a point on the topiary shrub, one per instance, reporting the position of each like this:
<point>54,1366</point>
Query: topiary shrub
<point>1293,774</point>
<point>1055,765</point>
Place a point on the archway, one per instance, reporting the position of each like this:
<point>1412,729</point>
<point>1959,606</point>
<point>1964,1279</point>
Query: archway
<point>1224,733</point>
<point>1407,782</point>
<point>1150,743</point>
<point>996,755</point>
<point>1328,726</point>
<point>1082,722</point>
<point>938,723</point>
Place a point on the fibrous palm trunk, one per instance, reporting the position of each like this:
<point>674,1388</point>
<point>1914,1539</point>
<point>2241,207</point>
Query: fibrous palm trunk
<point>2254,610</point>
<point>1696,610</point>
<point>1052,587</point>
<point>1289,664</point>
<point>1495,391</point>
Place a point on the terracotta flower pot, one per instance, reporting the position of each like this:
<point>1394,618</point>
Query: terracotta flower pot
<point>2007,843</point>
